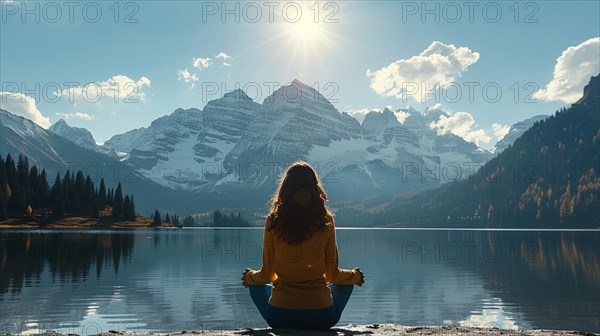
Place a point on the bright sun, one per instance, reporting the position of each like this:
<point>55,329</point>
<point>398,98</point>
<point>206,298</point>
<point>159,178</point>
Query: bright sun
<point>306,31</point>
<point>305,40</point>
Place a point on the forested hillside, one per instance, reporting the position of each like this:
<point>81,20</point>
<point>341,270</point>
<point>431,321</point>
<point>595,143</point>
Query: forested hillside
<point>549,177</point>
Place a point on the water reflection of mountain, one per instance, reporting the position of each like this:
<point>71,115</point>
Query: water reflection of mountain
<point>542,279</point>
<point>551,275</point>
<point>68,257</point>
<point>189,279</point>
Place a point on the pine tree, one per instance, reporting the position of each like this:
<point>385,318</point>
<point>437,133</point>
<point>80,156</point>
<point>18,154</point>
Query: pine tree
<point>130,211</point>
<point>188,221</point>
<point>126,205</point>
<point>4,191</point>
<point>95,210</point>
<point>89,193</point>
<point>4,194</point>
<point>23,169</point>
<point>75,202</point>
<point>33,197</point>
<point>3,210</point>
<point>79,193</point>
<point>43,189</point>
<point>118,202</point>
<point>102,193</point>
<point>110,197</point>
<point>217,218</point>
<point>58,210</point>
<point>128,208</point>
<point>58,206</point>
<point>67,188</point>
<point>157,220</point>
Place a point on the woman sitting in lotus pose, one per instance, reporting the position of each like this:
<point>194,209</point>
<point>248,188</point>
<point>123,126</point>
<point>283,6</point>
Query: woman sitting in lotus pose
<point>300,258</point>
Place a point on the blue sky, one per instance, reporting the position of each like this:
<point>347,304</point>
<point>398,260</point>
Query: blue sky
<point>162,55</point>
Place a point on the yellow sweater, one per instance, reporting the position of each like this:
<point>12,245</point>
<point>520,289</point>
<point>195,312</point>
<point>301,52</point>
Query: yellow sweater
<point>299,272</point>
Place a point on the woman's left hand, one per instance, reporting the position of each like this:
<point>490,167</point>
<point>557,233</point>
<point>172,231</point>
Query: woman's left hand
<point>361,279</point>
<point>244,283</point>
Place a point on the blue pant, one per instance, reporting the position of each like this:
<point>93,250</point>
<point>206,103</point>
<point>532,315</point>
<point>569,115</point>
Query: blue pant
<point>315,319</point>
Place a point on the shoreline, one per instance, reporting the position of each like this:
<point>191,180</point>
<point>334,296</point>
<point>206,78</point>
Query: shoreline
<point>82,223</point>
<point>369,329</point>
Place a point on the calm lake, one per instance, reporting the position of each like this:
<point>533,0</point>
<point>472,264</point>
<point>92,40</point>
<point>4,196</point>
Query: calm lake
<point>186,279</point>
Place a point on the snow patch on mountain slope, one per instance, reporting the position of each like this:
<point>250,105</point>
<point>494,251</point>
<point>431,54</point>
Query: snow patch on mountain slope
<point>183,169</point>
<point>179,169</point>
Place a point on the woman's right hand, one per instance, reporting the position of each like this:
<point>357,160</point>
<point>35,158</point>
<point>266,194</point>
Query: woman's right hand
<point>361,280</point>
<point>244,282</point>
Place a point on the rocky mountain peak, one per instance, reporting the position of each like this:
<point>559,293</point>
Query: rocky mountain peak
<point>77,135</point>
<point>234,96</point>
<point>298,94</point>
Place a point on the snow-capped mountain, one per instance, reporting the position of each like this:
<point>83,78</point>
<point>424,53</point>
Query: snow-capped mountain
<point>81,137</point>
<point>77,135</point>
<point>288,124</point>
<point>21,135</point>
<point>126,142</point>
<point>56,154</point>
<point>515,132</point>
<point>185,148</point>
<point>234,149</point>
<point>236,144</point>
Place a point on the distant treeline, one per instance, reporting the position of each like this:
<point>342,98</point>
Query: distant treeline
<point>171,219</point>
<point>25,192</point>
<point>550,176</point>
<point>233,219</point>
<point>220,219</point>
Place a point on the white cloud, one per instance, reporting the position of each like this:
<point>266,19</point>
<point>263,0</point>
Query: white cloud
<point>223,56</point>
<point>500,130</point>
<point>436,106</point>
<point>438,65</point>
<point>401,116</point>
<point>463,125</point>
<point>479,137</point>
<point>572,72</point>
<point>25,106</point>
<point>360,114</point>
<point>76,115</point>
<point>201,63</point>
<point>120,88</point>
<point>187,77</point>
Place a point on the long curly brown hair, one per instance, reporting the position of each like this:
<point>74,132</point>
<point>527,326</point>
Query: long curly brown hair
<point>298,208</point>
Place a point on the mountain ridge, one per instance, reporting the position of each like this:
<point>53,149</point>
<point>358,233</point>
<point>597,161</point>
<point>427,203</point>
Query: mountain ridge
<point>547,178</point>
<point>234,135</point>
<point>235,148</point>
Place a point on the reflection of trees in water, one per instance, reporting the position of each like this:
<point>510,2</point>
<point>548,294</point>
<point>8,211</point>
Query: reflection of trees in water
<point>68,256</point>
<point>552,277</point>
<point>406,286</point>
<point>548,276</point>
<point>190,279</point>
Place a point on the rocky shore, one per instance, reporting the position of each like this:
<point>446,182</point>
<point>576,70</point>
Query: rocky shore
<point>371,330</point>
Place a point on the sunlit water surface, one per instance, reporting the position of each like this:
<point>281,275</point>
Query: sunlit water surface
<point>188,279</point>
